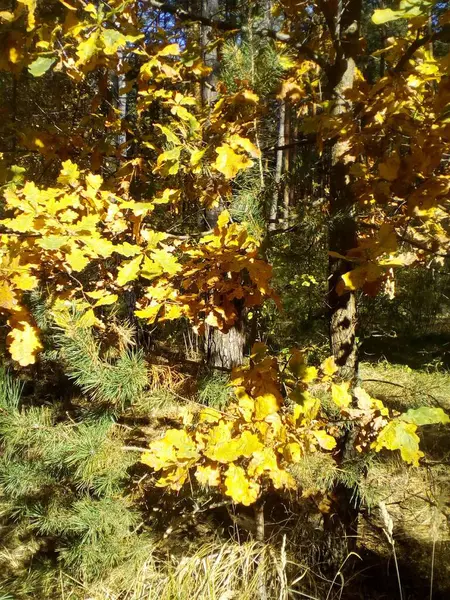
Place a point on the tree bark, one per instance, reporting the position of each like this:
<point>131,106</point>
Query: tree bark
<point>342,521</point>
<point>343,233</point>
<point>273,209</point>
<point>224,350</point>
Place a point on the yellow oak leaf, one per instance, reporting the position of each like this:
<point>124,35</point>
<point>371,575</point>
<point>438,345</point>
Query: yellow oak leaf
<point>112,41</point>
<point>167,261</point>
<point>99,246</point>
<point>340,394</point>
<point>265,405</point>
<point>88,48</point>
<point>208,476</point>
<point>329,367</point>
<point>239,487</point>
<point>399,435</point>
<point>22,223</point>
<point>282,479</point>
<point>150,312</point>
<point>249,443</point>
<point>174,478</point>
<point>292,452</point>
<point>209,415</point>
<point>221,447</point>
<point>70,174</point>
<point>325,441</point>
<point>106,300</point>
<point>229,163</point>
<point>263,460</point>
<point>176,446</point>
<point>127,250</point>
<point>24,343</point>
<point>8,299</point>
<point>129,270</point>
<point>77,260</point>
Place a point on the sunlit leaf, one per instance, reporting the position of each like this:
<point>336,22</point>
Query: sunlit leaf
<point>129,271</point>
<point>40,66</point>
<point>399,435</point>
<point>425,415</point>
<point>340,394</point>
<point>24,343</point>
<point>325,441</point>
<point>239,487</point>
<point>229,162</point>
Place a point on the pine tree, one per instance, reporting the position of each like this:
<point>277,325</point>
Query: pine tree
<point>64,476</point>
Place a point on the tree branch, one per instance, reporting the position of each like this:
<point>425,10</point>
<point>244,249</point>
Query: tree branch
<point>442,35</point>
<point>184,15</point>
<point>408,239</point>
<point>418,43</point>
<point>299,46</point>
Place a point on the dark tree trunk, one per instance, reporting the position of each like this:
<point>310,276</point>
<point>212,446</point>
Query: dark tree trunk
<point>343,234</point>
<point>342,521</point>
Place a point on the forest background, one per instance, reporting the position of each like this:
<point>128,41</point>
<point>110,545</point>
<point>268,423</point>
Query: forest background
<point>224,299</point>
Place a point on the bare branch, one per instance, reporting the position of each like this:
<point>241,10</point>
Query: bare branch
<point>184,15</point>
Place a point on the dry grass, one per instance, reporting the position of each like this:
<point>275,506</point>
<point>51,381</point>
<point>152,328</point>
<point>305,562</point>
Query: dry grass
<point>216,571</point>
<point>417,498</point>
<point>403,388</point>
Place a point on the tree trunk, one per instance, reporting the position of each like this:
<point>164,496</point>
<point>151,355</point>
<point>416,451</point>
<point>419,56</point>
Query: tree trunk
<point>273,210</point>
<point>343,234</point>
<point>223,350</point>
<point>342,521</point>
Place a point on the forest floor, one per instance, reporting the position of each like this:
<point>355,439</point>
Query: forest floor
<point>417,500</point>
<point>205,562</point>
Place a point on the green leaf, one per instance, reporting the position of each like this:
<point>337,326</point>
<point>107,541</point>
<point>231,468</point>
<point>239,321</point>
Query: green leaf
<point>40,66</point>
<point>112,40</point>
<point>425,415</point>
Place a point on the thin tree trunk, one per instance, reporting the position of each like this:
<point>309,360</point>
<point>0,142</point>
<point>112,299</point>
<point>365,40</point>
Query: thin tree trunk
<point>273,210</point>
<point>260,537</point>
<point>287,165</point>
<point>224,350</point>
